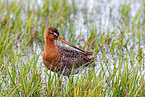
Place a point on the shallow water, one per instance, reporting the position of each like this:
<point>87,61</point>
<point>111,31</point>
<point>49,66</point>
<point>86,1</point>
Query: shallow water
<point>104,15</point>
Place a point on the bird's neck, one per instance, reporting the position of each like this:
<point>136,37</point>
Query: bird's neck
<point>50,51</point>
<point>49,43</point>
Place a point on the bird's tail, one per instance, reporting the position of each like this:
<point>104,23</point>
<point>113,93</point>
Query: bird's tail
<point>88,53</point>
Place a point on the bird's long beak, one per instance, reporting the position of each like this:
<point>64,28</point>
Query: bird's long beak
<point>60,39</point>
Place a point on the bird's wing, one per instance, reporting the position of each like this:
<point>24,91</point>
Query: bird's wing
<point>70,57</point>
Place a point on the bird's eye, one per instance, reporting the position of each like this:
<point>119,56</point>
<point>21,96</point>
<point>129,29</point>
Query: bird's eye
<point>55,34</point>
<point>52,33</point>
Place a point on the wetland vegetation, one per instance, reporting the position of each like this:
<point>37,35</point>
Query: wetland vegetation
<point>113,29</point>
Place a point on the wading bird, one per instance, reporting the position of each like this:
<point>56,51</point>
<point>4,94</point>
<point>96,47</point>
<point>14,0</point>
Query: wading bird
<point>63,60</point>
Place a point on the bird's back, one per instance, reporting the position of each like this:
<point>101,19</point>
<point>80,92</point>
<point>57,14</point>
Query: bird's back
<point>70,58</point>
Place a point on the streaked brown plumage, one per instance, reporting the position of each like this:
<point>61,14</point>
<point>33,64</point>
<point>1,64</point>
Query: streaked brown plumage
<point>61,59</point>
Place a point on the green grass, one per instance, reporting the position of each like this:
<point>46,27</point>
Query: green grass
<point>118,48</point>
